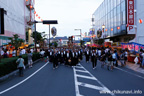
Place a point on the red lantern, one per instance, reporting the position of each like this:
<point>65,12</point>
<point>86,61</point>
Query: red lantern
<point>111,29</point>
<point>118,28</point>
<point>26,0</point>
<point>36,15</point>
<point>31,6</point>
<point>39,17</point>
<point>140,21</point>
<point>127,25</point>
<point>34,12</point>
<point>105,29</point>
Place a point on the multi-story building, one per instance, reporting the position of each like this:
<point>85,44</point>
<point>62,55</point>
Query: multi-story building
<point>16,17</point>
<point>120,19</point>
<point>62,41</point>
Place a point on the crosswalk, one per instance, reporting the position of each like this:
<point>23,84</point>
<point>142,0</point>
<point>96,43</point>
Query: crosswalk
<point>85,74</point>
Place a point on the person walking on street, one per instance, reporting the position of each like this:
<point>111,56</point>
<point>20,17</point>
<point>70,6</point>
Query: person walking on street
<point>21,66</point>
<point>122,56</point>
<point>114,57</point>
<point>94,59</point>
<point>87,54</point>
<point>30,62</point>
<point>55,60</point>
<point>125,58</point>
<point>110,64</point>
<point>143,59</point>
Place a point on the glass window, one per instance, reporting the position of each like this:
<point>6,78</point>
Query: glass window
<point>122,6</point>
<point>112,6</point>
<point>118,2</point>
<point>114,11</point>
<point>112,14</point>
<point>124,17</point>
<point>118,9</point>
<point>114,1</point>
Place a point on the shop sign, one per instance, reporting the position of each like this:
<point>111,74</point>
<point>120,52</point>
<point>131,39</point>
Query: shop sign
<point>130,15</point>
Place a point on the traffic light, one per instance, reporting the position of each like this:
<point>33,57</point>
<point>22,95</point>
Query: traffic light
<point>1,21</point>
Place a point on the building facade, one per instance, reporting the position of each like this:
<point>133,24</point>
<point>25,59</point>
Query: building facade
<point>62,41</point>
<point>18,18</point>
<point>120,19</point>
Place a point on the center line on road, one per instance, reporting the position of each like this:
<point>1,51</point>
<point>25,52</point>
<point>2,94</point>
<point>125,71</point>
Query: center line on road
<point>23,80</point>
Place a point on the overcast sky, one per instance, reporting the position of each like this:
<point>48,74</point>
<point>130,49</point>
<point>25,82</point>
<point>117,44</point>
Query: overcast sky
<point>71,14</point>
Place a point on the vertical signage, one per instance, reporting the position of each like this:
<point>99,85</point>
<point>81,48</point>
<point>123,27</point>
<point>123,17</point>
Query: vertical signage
<point>131,12</point>
<point>1,21</point>
<point>130,15</point>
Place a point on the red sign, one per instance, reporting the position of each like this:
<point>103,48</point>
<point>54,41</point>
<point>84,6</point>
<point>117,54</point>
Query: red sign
<point>130,27</point>
<point>130,12</point>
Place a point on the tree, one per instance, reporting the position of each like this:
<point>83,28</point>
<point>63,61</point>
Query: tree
<point>16,41</point>
<point>40,38</point>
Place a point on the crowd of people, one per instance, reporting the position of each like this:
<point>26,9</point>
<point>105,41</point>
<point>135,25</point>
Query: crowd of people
<point>71,57</point>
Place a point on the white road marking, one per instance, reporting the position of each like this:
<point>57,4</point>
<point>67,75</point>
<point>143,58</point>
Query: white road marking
<point>130,73</point>
<point>78,67</point>
<point>23,80</point>
<point>87,77</point>
<point>82,71</point>
<point>90,86</point>
<point>77,84</point>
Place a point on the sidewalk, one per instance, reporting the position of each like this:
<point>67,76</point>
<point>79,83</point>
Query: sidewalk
<point>135,67</point>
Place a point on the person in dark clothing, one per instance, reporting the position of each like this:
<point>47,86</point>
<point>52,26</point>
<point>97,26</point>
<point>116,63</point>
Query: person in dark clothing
<point>61,57</point>
<point>141,57</point>
<point>87,54</point>
<point>5,55</point>
<point>73,59</point>
<point>109,56</point>
<point>50,56</point>
<point>80,54</point>
<point>68,58</point>
<point>55,60</point>
<point>94,59</point>
<point>103,58</point>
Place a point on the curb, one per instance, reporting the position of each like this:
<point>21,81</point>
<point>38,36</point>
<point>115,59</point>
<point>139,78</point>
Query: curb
<point>13,73</point>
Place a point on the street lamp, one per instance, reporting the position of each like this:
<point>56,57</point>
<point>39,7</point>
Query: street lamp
<point>103,27</point>
<point>80,34</point>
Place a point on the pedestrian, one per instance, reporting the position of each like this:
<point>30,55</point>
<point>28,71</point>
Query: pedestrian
<point>13,53</point>
<point>42,52</point>
<point>114,57</point>
<point>110,64</point>
<point>5,55</point>
<point>103,58</point>
<point>125,58</point>
<point>30,62</point>
<point>143,59</point>
<point>55,60</point>
<point>99,53</point>
<point>21,66</point>
<point>87,54</point>
<point>68,58</point>
<point>122,56</point>
<point>94,59</point>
